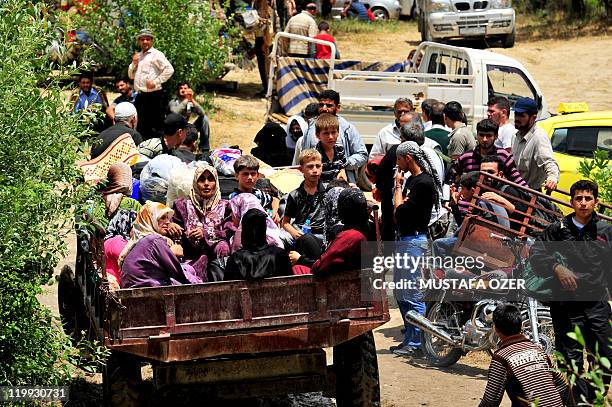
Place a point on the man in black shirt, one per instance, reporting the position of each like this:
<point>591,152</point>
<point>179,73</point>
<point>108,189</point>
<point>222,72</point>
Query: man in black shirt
<point>126,94</point>
<point>125,122</point>
<point>412,214</point>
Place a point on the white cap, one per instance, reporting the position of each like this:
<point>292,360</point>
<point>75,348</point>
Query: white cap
<point>124,111</point>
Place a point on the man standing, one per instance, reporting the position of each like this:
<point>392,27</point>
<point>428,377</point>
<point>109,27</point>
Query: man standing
<point>150,70</point>
<point>349,138</point>
<point>185,104</point>
<point>532,149</point>
<point>460,137</point>
<point>581,267</point>
<point>437,131</point>
<point>124,87</point>
<point>390,134</point>
<point>412,214</point>
<point>302,24</point>
<point>125,122</point>
<point>486,135</point>
<point>499,111</point>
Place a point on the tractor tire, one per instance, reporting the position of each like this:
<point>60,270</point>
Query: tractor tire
<point>121,381</point>
<point>70,303</point>
<point>356,366</point>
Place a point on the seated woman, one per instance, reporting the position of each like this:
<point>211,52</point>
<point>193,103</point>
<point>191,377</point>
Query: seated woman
<point>345,252</point>
<point>117,236</point>
<point>271,147</point>
<point>240,205</point>
<point>203,220</point>
<point>257,258</point>
<point>151,259</point>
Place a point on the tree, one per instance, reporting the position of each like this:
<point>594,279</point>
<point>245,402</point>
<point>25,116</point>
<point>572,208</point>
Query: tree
<point>39,145</point>
<point>185,31</point>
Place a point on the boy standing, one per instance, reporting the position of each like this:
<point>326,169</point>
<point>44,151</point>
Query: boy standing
<point>521,367</point>
<point>246,168</point>
<point>305,204</point>
<point>324,51</point>
<point>333,157</point>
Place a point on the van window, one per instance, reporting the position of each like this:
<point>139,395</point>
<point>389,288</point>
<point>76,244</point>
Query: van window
<point>582,141</point>
<point>509,82</point>
<point>448,63</point>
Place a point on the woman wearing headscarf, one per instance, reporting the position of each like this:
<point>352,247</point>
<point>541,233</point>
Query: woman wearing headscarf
<point>345,252</point>
<point>296,128</point>
<point>115,193</point>
<point>257,258</point>
<point>240,205</point>
<point>271,148</point>
<point>150,258</point>
<point>204,220</point>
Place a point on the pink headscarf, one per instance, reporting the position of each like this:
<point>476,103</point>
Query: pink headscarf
<point>240,205</point>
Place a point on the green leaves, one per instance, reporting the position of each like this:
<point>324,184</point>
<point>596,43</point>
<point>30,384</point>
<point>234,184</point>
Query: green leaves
<point>599,170</point>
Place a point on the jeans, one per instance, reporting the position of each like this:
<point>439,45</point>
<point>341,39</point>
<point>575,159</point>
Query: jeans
<point>443,247</point>
<point>410,299</point>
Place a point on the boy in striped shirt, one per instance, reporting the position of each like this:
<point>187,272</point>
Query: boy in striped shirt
<point>521,368</point>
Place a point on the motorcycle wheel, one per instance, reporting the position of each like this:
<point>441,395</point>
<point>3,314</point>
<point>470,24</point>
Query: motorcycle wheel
<point>437,351</point>
<point>546,332</point>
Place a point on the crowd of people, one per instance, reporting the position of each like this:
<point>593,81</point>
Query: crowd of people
<point>424,168</point>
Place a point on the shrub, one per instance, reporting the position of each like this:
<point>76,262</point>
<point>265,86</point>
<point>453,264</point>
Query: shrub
<point>599,170</point>
<point>185,31</point>
<point>39,145</point>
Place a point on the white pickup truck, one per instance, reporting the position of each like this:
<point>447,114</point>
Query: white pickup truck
<point>446,73</point>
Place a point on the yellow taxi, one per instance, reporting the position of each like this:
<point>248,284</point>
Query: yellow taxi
<point>574,134</point>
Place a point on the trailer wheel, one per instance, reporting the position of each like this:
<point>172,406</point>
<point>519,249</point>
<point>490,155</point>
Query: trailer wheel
<point>356,366</point>
<point>121,380</point>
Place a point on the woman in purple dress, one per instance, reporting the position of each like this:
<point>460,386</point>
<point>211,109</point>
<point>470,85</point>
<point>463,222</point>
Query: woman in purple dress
<point>150,258</point>
<point>204,221</point>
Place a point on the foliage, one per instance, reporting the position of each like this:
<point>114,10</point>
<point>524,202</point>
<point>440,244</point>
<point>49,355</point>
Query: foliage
<point>185,31</point>
<point>572,9</point>
<point>39,145</point>
<point>594,376</point>
<point>355,26</point>
<point>599,169</point>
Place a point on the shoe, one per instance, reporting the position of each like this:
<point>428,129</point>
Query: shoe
<point>408,351</point>
<point>396,347</point>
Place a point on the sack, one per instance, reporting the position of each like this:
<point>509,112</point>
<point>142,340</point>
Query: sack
<point>538,287</point>
<point>223,160</point>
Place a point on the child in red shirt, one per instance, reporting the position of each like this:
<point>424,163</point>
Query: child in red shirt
<point>324,51</point>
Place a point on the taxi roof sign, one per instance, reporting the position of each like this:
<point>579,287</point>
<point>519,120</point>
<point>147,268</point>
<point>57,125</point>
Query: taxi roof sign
<point>572,107</point>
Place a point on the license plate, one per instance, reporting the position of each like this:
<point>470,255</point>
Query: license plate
<point>472,30</point>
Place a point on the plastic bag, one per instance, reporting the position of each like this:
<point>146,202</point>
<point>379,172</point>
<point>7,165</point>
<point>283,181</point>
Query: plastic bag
<point>223,160</point>
<point>155,176</point>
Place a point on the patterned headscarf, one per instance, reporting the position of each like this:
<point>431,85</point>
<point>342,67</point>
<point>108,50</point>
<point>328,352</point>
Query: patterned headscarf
<point>146,224</point>
<point>240,205</point>
<point>330,205</point>
<point>201,204</point>
<point>118,183</point>
<point>411,148</point>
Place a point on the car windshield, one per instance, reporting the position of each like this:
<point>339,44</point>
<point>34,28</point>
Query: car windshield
<point>582,141</point>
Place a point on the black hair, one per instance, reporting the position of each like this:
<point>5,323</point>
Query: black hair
<point>469,179</point>
<point>494,159</point>
<point>507,319</point>
<point>86,75</point>
<point>454,111</point>
<point>437,113</point>
<point>501,102</point>
<point>122,79</point>
<point>487,126</point>
<point>331,95</point>
<point>181,84</point>
<point>427,103</point>
<point>338,182</point>
<point>323,26</point>
<point>191,134</point>
<point>584,185</point>
<point>312,110</point>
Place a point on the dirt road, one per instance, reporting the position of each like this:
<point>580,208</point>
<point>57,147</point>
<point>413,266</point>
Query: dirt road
<point>574,69</point>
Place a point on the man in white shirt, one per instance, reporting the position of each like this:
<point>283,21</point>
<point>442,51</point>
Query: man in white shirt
<point>390,134</point>
<point>149,70</point>
<point>499,111</point>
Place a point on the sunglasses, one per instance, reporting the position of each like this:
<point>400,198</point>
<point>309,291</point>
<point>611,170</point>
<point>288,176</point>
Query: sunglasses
<point>330,105</point>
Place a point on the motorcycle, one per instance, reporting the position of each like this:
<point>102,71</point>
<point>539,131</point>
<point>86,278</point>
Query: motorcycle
<point>451,329</point>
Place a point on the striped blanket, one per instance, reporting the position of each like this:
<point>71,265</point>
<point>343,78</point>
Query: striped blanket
<point>300,80</point>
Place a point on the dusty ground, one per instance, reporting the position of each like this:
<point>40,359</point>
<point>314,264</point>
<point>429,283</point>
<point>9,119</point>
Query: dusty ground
<point>568,65</point>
